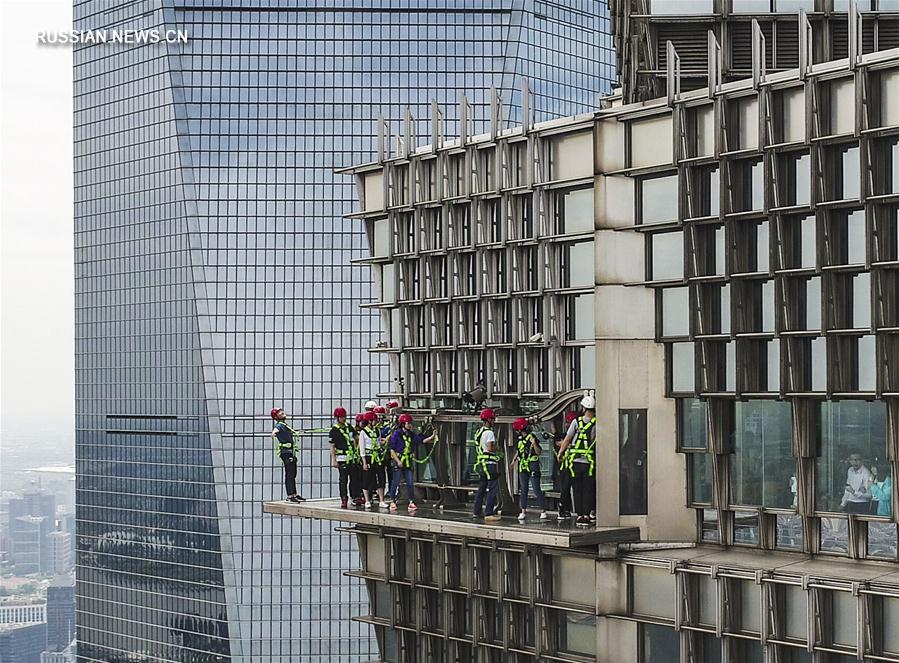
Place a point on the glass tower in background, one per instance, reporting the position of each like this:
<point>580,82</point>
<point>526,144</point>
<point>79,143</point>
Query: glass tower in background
<point>214,281</point>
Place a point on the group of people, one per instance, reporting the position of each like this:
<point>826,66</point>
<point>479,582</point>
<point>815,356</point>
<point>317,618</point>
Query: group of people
<point>865,491</point>
<point>378,452</point>
<point>375,454</point>
<point>575,455</point>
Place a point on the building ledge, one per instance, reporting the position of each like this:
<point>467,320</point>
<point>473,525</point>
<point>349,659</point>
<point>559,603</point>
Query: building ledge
<point>772,563</point>
<point>427,519</point>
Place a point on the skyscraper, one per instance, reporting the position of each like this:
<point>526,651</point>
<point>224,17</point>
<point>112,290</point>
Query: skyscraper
<point>735,252</point>
<point>214,281</point>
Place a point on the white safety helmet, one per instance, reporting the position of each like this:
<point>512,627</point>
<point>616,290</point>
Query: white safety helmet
<point>370,405</point>
<point>588,403</point>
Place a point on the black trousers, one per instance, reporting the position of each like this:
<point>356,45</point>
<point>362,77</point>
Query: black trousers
<point>565,490</point>
<point>290,473</point>
<point>343,474</point>
<point>584,489</point>
<point>355,471</point>
<point>375,477</point>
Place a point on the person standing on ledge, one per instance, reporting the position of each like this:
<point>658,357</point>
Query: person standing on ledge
<point>486,466</point>
<point>579,444</point>
<point>286,449</point>
<point>528,455</point>
<point>373,451</point>
<point>565,506</point>
<point>341,439</point>
<point>403,444</point>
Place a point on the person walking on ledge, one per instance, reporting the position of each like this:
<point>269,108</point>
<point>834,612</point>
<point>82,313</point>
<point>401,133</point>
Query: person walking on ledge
<point>579,444</point>
<point>486,466</point>
<point>286,449</point>
<point>565,505</point>
<point>528,455</point>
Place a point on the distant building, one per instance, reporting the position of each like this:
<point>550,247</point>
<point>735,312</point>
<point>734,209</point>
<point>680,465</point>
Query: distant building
<point>61,557</point>
<point>22,611</point>
<point>60,613</point>
<point>22,643</point>
<point>31,516</point>
<point>28,545</point>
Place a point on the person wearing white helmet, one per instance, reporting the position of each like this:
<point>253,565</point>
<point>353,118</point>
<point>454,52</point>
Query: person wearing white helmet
<point>580,443</point>
<point>370,406</point>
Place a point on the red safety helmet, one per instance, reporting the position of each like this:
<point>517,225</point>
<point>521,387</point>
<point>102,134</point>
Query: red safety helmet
<point>570,416</point>
<point>360,418</point>
<point>339,412</point>
<point>369,417</point>
<point>487,414</point>
<point>520,424</point>
<point>392,404</point>
<point>405,419</point>
<point>380,410</point>
<point>275,411</point>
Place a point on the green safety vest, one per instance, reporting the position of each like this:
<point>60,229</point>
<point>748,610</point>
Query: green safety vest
<point>483,457</point>
<point>582,445</point>
<point>281,447</point>
<point>526,454</point>
<point>352,451</point>
<point>378,450</point>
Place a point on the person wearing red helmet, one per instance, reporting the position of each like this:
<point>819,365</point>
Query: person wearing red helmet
<point>403,444</point>
<point>566,507</point>
<point>343,447</point>
<point>374,455</point>
<point>286,448</point>
<point>486,466</point>
<point>527,453</point>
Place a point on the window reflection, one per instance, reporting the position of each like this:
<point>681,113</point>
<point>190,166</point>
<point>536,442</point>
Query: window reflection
<point>763,471</point>
<point>659,200</point>
<point>852,457</point>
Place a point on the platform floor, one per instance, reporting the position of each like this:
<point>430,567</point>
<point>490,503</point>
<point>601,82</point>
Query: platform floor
<point>550,532</point>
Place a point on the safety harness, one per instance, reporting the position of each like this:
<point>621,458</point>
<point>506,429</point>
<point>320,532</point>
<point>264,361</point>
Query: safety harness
<point>484,457</point>
<point>526,455</point>
<point>582,445</point>
<point>352,450</point>
<point>378,449</point>
<point>282,447</point>
<point>406,458</point>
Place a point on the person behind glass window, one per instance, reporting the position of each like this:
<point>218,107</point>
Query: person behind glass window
<point>882,492</point>
<point>857,492</point>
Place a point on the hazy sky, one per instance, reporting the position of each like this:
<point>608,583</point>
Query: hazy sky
<point>36,275</point>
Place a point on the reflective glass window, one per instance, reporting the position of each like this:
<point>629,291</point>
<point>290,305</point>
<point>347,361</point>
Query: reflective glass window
<point>659,199</point>
<point>762,467</point>
<point>667,256</point>
<point>675,311</point>
<point>661,644</point>
<point>692,416</point>
<point>851,456</point>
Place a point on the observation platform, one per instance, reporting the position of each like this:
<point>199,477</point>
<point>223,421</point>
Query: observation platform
<point>455,522</point>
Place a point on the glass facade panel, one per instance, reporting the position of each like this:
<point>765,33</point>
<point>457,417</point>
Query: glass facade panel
<point>809,247</point>
<point>852,439</point>
<point>750,607</point>
<point>834,536</point>
<point>653,592</point>
<point>762,467</point>
<point>577,633</point>
<point>661,644</point>
<point>861,301</point>
<point>803,179</point>
<point>882,537</point>
<point>692,420</point>
<point>632,462</point>
<point>667,256</point>
<point>659,199</point>
<point>845,619</point>
<point>675,311</point>
<point>683,372</point>
<point>789,527</point>
<point>796,612</point>
<point>578,214</point>
<point>701,477</point>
